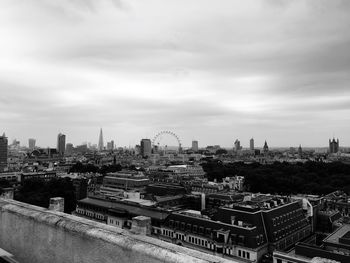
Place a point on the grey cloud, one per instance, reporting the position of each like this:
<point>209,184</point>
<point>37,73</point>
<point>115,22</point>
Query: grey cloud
<point>298,48</point>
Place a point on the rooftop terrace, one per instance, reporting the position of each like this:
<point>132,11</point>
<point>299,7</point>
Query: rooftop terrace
<point>35,234</point>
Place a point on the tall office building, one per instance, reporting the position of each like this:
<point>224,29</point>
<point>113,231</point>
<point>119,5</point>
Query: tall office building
<point>100,141</point>
<point>31,144</point>
<point>69,148</point>
<point>61,143</point>
<point>333,145</point>
<point>251,144</point>
<point>110,145</point>
<point>195,146</point>
<point>3,152</point>
<point>146,147</point>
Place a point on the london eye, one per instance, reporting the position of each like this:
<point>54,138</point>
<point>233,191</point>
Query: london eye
<point>156,142</point>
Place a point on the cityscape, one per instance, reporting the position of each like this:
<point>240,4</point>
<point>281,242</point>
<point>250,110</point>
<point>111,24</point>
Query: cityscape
<point>174,131</point>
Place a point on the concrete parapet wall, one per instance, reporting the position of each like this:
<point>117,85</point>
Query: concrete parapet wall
<point>37,235</point>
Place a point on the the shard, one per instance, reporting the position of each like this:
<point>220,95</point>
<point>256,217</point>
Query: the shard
<point>100,141</point>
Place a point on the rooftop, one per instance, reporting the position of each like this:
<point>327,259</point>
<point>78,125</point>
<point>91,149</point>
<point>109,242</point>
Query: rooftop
<point>55,232</point>
<point>338,236</point>
<point>132,207</point>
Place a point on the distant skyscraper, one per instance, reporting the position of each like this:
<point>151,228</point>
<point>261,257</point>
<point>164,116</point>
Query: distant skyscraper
<point>265,148</point>
<point>61,143</point>
<point>3,152</point>
<point>31,144</point>
<point>251,144</point>
<point>110,145</point>
<point>238,146</point>
<point>69,148</point>
<point>100,141</point>
<point>333,146</point>
<point>195,146</point>
<point>146,147</point>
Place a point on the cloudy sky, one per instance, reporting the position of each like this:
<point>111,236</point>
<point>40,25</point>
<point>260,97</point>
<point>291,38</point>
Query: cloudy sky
<point>212,70</point>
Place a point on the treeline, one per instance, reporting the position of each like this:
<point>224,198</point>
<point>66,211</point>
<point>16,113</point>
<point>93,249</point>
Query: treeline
<point>90,168</point>
<point>38,192</point>
<point>285,178</point>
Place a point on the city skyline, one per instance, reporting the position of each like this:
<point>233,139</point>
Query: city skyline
<point>272,70</point>
<point>100,145</point>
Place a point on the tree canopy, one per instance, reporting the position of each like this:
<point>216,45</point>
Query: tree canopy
<point>90,168</point>
<point>285,178</point>
<point>38,192</point>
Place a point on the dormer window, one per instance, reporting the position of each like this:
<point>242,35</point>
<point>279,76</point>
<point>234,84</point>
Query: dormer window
<point>195,229</point>
<point>201,230</point>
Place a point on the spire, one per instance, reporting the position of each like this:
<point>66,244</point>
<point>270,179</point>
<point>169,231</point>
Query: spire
<point>100,141</point>
<point>266,147</point>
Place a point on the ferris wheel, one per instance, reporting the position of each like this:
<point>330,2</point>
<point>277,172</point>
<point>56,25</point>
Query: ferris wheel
<point>156,140</point>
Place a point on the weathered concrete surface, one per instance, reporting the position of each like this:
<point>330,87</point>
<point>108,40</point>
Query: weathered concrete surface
<point>37,235</point>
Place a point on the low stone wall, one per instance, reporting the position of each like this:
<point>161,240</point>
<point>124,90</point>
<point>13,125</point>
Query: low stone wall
<point>37,235</point>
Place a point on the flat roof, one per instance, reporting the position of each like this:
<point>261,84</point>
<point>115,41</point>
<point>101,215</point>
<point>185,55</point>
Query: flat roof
<point>132,208</point>
<point>292,256</point>
<point>339,233</point>
<point>143,202</point>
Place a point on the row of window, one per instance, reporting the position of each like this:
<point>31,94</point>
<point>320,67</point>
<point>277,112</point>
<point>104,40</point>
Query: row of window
<point>114,222</point>
<point>285,243</point>
<point>90,207</point>
<point>90,214</point>
<point>198,241</point>
<point>235,239</point>
<point>189,227</point>
<point>286,217</point>
<point>204,243</point>
<point>289,229</point>
<point>99,216</point>
<point>168,233</point>
<point>243,254</point>
<point>190,239</point>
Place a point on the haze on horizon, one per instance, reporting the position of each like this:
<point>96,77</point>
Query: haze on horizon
<point>212,71</point>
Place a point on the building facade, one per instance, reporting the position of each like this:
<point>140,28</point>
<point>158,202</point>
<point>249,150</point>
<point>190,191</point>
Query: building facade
<point>251,144</point>
<point>31,144</point>
<point>3,152</point>
<point>246,231</point>
<point>238,146</point>
<point>195,146</point>
<point>69,148</point>
<point>110,146</point>
<point>265,148</point>
<point>333,145</point>
<point>146,147</point>
<point>100,146</point>
<point>61,143</point>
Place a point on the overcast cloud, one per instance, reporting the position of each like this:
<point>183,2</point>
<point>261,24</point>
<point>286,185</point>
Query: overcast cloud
<point>213,71</point>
